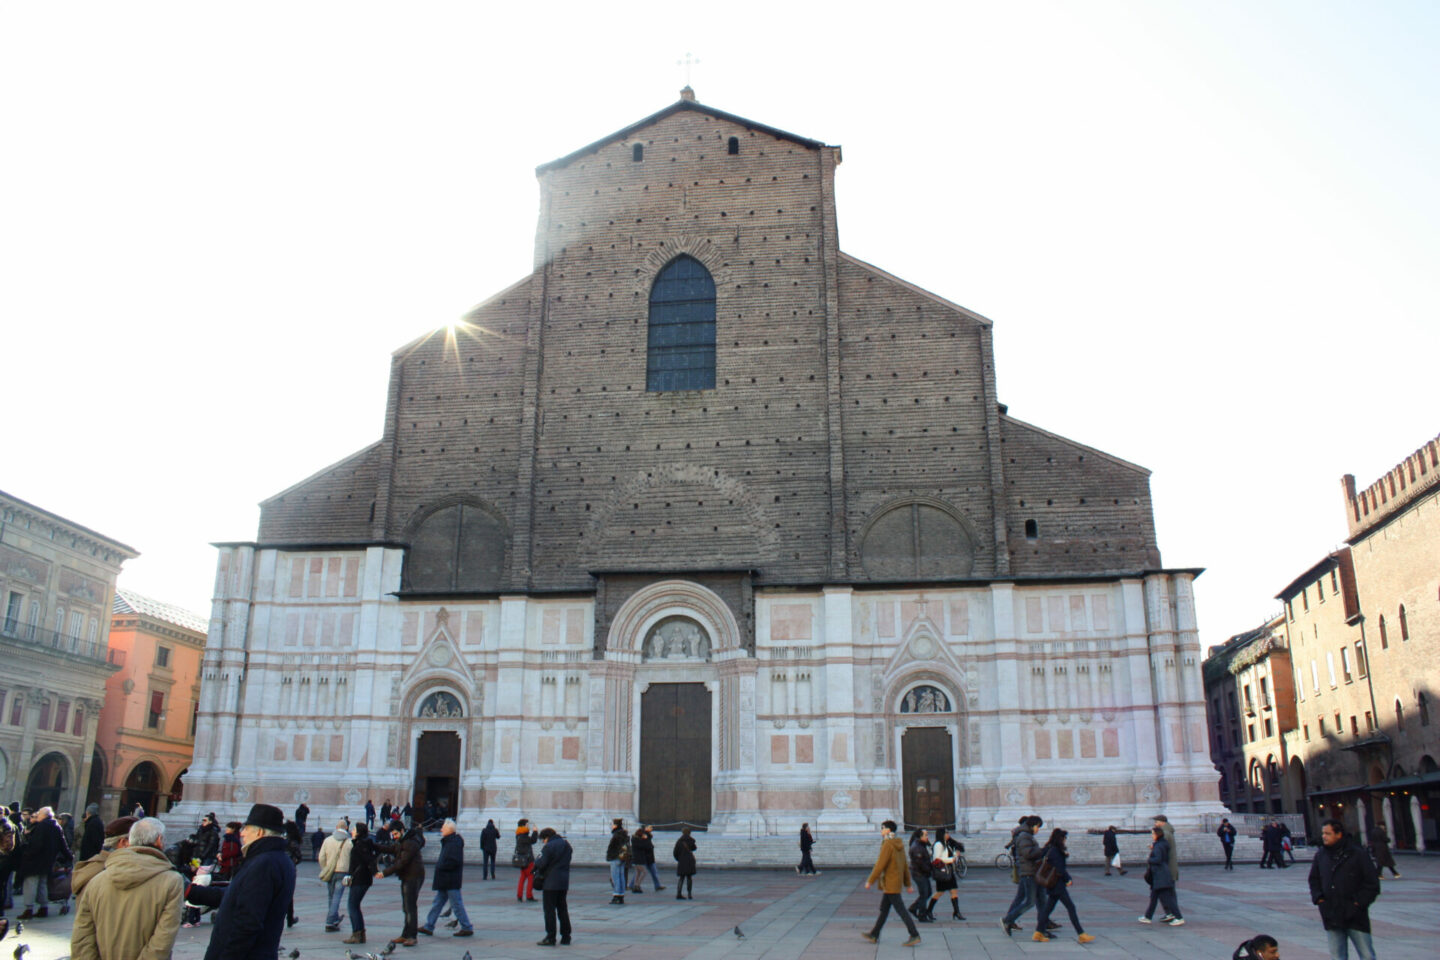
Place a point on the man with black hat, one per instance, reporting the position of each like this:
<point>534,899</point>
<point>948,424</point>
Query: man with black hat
<point>410,868</point>
<point>253,907</point>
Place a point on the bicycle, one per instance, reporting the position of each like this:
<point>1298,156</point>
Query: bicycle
<point>962,866</point>
<point>1004,862</point>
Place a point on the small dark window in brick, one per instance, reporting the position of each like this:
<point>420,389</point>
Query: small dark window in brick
<point>1032,530</point>
<point>681,353</point>
<point>637,152</point>
<point>734,146</point>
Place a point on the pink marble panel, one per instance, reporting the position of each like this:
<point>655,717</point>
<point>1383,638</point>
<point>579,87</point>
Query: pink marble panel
<point>790,621</point>
<point>1042,745</point>
<point>1065,740</point>
<point>959,617</point>
<point>805,748</point>
<point>779,749</point>
<point>1087,743</point>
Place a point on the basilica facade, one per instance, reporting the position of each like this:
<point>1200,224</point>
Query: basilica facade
<point>707,522</point>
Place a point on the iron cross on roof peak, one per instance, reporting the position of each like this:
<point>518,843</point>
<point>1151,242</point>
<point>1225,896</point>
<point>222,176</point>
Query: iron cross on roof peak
<point>687,93</point>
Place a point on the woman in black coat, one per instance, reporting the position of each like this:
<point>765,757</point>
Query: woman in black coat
<point>364,864</point>
<point>685,865</point>
<point>1056,855</point>
<point>1162,881</point>
<point>807,866</point>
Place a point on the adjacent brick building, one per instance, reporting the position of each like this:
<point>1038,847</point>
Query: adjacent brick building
<point>57,579</point>
<point>1362,629</point>
<point>705,520</point>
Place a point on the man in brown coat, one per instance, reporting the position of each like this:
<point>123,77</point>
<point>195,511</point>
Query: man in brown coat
<point>131,911</point>
<point>892,869</point>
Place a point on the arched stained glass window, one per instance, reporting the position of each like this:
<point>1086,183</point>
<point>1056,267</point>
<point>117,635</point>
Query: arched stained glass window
<point>681,354</point>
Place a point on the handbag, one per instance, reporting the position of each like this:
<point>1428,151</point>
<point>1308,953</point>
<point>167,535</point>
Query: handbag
<point>1046,875</point>
<point>59,886</point>
<point>518,860</point>
<point>941,870</point>
<point>1149,877</point>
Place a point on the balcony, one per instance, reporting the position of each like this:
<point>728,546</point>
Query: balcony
<point>39,638</point>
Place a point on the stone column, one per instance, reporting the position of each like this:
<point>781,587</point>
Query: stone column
<point>1004,749</point>
<point>840,785</point>
<point>504,784</point>
<point>87,753</point>
<point>31,718</point>
<point>1418,820</point>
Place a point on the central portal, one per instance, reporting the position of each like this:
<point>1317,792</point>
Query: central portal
<point>675,755</point>
<point>437,771</point>
<point>929,781</point>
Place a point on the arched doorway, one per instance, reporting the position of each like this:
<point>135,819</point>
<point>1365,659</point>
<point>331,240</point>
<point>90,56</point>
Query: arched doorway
<point>48,782</point>
<point>142,786</point>
<point>927,759</point>
<point>675,755</point>
<point>177,789</point>
<point>437,758</point>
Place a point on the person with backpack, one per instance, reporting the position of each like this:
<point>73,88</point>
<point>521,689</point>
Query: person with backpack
<point>524,858</point>
<point>1054,877</point>
<point>1027,859</point>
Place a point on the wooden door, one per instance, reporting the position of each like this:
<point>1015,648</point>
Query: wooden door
<point>437,771</point>
<point>675,755</point>
<point>928,777</point>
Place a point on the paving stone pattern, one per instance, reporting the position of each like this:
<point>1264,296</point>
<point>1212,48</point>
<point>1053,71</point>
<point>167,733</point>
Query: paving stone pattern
<point>784,917</point>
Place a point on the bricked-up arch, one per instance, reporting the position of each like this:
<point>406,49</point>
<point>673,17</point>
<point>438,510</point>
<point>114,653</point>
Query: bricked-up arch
<point>681,347</point>
<point>456,547</point>
<point>919,538</point>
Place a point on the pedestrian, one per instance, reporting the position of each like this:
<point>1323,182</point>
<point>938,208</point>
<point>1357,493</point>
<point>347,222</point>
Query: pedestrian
<point>617,856</point>
<point>1286,843</point>
<point>944,858</point>
<point>807,842</point>
<point>405,846</point>
<point>1111,842</point>
<point>317,840</point>
<point>117,837</point>
<point>67,829</point>
<point>1027,858</point>
<point>921,871</point>
<point>230,849</point>
<point>1343,884</point>
<point>385,809</point>
<point>642,849</point>
<point>892,871</point>
<point>1162,880</point>
<point>293,841</point>
<point>1163,822</point>
<point>489,843</point>
<point>524,858</point>
<point>43,844</point>
<point>1226,833</point>
<point>1056,856</point>
<point>302,813</point>
<point>9,843</point>
<point>254,905</point>
<point>364,863</point>
<point>1262,946</point>
<point>449,872</point>
<point>207,840</point>
<point>133,907</point>
<point>334,860</point>
<point>1380,849</point>
<point>685,867</point>
<point>138,812</point>
<point>407,815</point>
<point>369,814</point>
<point>553,866</point>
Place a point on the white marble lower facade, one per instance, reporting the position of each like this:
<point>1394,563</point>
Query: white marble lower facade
<point>1078,700</point>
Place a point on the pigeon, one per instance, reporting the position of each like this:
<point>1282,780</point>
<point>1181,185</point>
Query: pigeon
<point>351,954</point>
<point>452,924</point>
<point>389,949</point>
<point>467,955</point>
<point>21,950</point>
<point>295,954</point>
<point>19,928</point>
<point>738,934</point>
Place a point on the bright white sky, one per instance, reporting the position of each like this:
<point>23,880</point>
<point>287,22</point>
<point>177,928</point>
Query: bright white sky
<point>1207,232</point>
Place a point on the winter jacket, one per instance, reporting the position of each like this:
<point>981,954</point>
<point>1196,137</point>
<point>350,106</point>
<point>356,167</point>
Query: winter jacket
<point>1058,859</point>
<point>1112,844</point>
<point>1169,832</point>
<point>335,855</point>
<point>891,868</point>
<point>1159,865</point>
<point>44,844</point>
<point>364,862</point>
<point>132,910</point>
<point>619,843</point>
<point>1027,852</point>
<point>408,864</point>
<point>806,840</point>
<point>229,854</point>
<point>489,838</point>
<point>554,865</point>
<point>684,853</point>
<point>1343,883</point>
<point>450,868</point>
<point>642,849</point>
<point>87,870</point>
<point>207,843</point>
<point>1226,833</point>
<point>920,859</point>
<point>525,846</point>
<point>92,836</point>
<point>253,907</point>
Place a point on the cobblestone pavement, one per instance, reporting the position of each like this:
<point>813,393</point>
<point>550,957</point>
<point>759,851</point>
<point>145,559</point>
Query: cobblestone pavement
<point>784,916</point>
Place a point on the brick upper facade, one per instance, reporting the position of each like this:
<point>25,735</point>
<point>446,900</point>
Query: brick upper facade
<point>841,391</point>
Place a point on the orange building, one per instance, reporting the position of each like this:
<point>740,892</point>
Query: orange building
<point>147,726</point>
